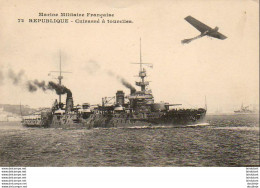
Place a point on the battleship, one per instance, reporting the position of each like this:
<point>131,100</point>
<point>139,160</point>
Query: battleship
<point>137,108</point>
<point>245,110</point>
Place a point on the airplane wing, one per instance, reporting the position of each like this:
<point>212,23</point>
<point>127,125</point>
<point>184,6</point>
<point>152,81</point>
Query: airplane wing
<point>217,35</point>
<point>197,24</point>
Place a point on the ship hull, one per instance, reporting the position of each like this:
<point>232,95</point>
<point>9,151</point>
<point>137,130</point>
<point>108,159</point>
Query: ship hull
<point>177,118</point>
<point>245,112</point>
<point>171,118</point>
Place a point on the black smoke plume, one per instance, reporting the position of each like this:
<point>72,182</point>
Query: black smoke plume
<point>94,66</point>
<point>16,78</point>
<point>40,84</point>
<point>33,86</point>
<point>60,89</point>
<point>122,80</point>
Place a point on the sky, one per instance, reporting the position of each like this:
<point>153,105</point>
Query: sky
<point>225,71</point>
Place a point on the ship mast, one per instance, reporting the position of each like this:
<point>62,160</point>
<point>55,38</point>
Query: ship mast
<point>141,55</point>
<point>142,71</point>
<point>141,98</point>
<point>60,77</point>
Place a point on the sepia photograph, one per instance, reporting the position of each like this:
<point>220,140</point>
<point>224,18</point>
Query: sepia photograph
<point>129,83</point>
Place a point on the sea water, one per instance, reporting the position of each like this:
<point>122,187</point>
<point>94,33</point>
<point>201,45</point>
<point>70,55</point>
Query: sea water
<point>224,140</point>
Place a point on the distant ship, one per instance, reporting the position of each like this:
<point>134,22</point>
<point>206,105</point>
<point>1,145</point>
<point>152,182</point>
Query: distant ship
<point>136,109</point>
<point>245,110</point>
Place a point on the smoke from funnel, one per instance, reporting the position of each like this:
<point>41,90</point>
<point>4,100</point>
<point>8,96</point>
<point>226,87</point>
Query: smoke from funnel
<point>94,66</point>
<point>33,86</point>
<point>122,80</point>
<point>60,89</point>
<point>40,84</point>
<point>127,84</point>
<point>16,78</point>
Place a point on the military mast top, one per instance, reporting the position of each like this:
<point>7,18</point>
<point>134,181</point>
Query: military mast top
<point>142,72</point>
<point>60,77</point>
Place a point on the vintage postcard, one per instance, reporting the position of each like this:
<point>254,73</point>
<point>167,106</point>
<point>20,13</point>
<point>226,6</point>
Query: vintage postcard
<point>129,83</point>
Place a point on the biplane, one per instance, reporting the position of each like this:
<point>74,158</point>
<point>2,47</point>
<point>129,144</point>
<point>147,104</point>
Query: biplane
<point>204,29</point>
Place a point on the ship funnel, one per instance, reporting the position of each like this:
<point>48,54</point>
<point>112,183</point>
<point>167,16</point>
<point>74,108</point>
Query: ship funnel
<point>120,97</point>
<point>69,102</point>
<point>133,91</point>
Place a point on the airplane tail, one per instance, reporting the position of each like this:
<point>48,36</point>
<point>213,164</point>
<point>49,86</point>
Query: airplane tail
<point>186,41</point>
